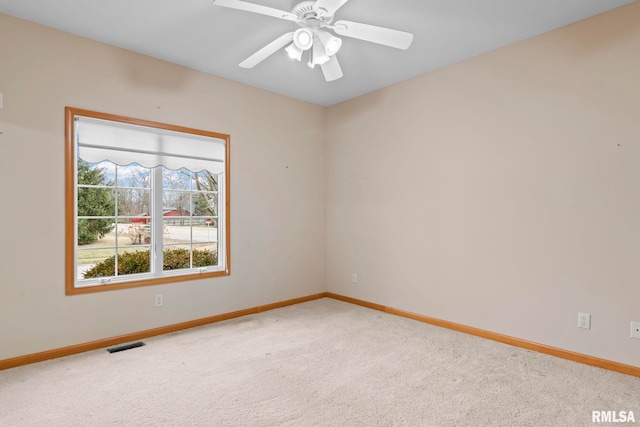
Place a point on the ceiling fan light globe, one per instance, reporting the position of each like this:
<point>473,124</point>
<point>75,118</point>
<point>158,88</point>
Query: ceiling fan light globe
<point>303,38</point>
<point>331,43</point>
<point>294,52</point>
<point>333,46</point>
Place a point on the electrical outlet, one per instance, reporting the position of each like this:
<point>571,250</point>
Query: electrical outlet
<point>584,320</point>
<point>159,300</point>
<point>354,277</point>
<point>635,330</point>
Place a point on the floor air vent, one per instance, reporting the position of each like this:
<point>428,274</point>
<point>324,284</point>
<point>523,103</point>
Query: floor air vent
<point>125,347</point>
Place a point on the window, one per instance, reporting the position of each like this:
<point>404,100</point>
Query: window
<point>146,202</point>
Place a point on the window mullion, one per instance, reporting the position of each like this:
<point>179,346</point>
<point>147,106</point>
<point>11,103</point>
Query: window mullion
<point>221,210</point>
<point>156,221</point>
<point>115,221</point>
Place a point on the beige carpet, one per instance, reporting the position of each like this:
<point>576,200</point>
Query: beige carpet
<point>321,363</point>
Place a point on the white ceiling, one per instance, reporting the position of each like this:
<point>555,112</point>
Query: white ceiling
<point>214,39</point>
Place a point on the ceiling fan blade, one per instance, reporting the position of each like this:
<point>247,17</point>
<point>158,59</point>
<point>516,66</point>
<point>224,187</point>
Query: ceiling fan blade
<point>327,7</point>
<point>375,34</point>
<point>256,8</point>
<point>331,69</point>
<point>267,51</point>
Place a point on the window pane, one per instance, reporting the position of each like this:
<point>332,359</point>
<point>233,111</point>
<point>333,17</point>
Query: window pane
<point>175,257</point>
<point>205,204</point>
<point>134,202</point>
<point>95,231</point>
<point>134,175</point>
<point>176,203</point>
<point>205,181</point>
<point>176,180</point>
<point>95,201</point>
<point>102,173</point>
<point>176,231</point>
<point>133,261</point>
<point>205,254</point>
<point>93,261</point>
<point>204,230</point>
<point>210,223</point>
<point>134,232</point>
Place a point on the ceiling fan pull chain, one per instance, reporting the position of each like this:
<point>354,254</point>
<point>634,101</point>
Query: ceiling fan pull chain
<point>310,63</point>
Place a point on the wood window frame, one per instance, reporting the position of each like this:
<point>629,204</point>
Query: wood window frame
<point>70,204</point>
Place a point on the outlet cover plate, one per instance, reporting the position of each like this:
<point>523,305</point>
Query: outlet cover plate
<point>584,320</point>
<point>635,330</point>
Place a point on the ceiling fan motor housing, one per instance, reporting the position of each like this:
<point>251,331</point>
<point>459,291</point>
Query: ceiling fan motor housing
<point>307,17</point>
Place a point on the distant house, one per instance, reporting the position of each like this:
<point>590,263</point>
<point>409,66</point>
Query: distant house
<point>144,217</point>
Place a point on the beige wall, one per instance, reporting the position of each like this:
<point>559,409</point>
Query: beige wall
<point>502,192</point>
<point>277,187</point>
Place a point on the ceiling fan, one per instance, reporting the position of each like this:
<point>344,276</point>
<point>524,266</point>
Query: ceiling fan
<point>314,17</point>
